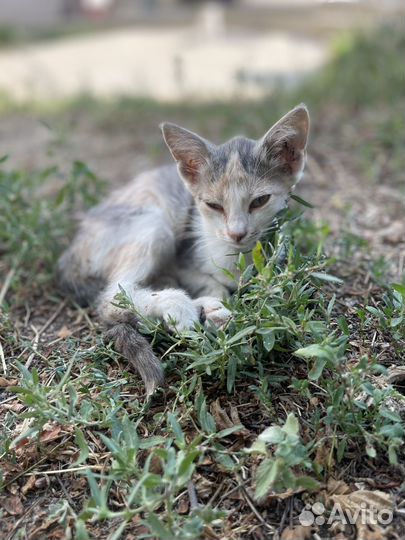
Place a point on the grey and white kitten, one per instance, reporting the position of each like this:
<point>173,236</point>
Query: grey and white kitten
<point>181,225</point>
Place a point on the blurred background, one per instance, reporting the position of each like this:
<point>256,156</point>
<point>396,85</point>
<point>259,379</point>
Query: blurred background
<point>171,49</point>
<point>90,80</point>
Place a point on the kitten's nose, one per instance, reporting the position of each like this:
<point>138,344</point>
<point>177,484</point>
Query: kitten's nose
<point>237,236</point>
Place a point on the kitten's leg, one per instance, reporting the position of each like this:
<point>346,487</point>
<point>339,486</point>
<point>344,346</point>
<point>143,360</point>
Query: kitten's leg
<point>135,264</point>
<point>173,306</point>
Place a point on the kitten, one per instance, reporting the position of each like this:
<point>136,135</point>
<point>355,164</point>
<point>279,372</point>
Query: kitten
<point>180,225</point>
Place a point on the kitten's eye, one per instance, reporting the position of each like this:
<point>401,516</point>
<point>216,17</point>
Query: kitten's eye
<point>259,201</point>
<point>214,206</point>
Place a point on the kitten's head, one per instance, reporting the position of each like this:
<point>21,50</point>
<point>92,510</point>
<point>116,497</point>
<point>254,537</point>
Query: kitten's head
<point>241,185</point>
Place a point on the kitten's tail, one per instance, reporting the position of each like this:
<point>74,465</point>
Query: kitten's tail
<point>127,340</point>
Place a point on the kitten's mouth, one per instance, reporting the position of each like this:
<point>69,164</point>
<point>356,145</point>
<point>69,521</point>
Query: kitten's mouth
<point>245,245</point>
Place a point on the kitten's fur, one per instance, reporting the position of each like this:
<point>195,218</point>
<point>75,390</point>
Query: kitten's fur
<point>159,231</point>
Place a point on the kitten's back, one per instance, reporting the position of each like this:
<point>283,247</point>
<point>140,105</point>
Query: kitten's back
<point>150,211</point>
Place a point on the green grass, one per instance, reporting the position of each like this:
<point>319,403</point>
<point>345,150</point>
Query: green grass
<point>294,391</point>
<point>33,228</point>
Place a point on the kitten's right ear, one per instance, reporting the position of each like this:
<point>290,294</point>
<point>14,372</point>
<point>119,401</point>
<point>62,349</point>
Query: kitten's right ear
<point>284,145</point>
<point>190,151</point>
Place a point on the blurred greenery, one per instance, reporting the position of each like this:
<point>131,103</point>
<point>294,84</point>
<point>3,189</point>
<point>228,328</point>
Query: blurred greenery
<point>366,69</point>
<point>11,36</point>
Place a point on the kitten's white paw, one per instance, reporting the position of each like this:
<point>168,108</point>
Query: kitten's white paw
<point>213,310</point>
<point>177,310</point>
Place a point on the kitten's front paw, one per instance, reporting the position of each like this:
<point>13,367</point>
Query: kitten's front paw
<point>178,311</point>
<point>181,318</point>
<point>213,310</point>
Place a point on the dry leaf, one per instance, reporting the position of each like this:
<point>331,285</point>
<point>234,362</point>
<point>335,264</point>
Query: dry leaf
<point>210,534</point>
<point>42,482</point>
<point>37,532</point>
<point>370,532</point>
<point>155,465</point>
<point>183,506</point>
<point>236,496</point>
<point>222,419</point>
<point>14,406</point>
<point>235,416</point>
<point>50,432</point>
<point>12,505</point>
<point>4,383</point>
<point>14,488</point>
<point>394,233</point>
<point>296,533</point>
<point>137,528</point>
<point>204,487</point>
<point>337,487</point>
<point>64,332</point>
<point>395,373</point>
<point>324,456</point>
<point>220,415</point>
<point>375,500</point>
<point>29,485</point>
<point>365,504</point>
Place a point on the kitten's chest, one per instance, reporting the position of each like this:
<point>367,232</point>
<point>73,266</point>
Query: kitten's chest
<point>201,254</point>
<point>216,260</point>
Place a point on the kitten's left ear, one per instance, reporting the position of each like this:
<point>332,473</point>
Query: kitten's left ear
<point>190,151</point>
<point>284,145</point>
